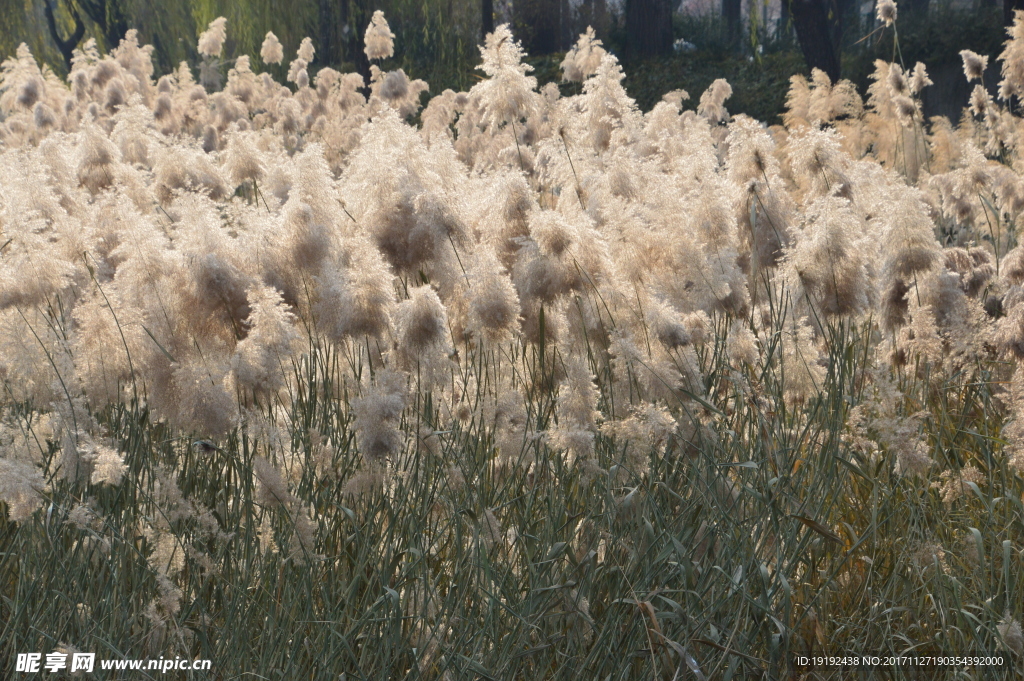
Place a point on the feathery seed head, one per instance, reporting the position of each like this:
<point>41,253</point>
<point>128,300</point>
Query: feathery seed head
<point>885,11</point>
<point>919,80</point>
<point>493,303</point>
<point>379,40</point>
<point>306,50</point>
<point>377,415</point>
<point>421,321</point>
<point>583,60</point>
<point>1012,57</point>
<point>974,65</point>
<point>271,52</point>
<point>1012,635</point>
<point>211,41</point>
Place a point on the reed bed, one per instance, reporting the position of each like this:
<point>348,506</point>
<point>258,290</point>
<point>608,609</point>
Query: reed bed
<point>324,380</point>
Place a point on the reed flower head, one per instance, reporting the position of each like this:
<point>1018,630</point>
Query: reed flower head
<point>306,50</point>
<point>211,41</point>
<point>261,359</point>
<point>974,65</point>
<point>377,415</point>
<point>492,300</point>
<point>919,80</point>
<point>108,467</point>
<point>1012,57</point>
<point>507,95</point>
<point>271,51</point>
<point>421,322</point>
<point>379,40</point>
<point>583,60</point>
<point>21,488</point>
<point>272,490</point>
<point>885,11</point>
<point>1013,637</point>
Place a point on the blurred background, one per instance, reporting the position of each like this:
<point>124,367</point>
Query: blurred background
<point>663,44</point>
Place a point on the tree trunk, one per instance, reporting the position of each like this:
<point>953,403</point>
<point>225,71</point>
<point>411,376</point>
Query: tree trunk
<point>486,18</point>
<point>66,47</point>
<point>536,25</point>
<point>593,13</point>
<point>329,48</point>
<point>816,34</point>
<point>359,18</point>
<point>648,27</point>
<point>838,11</point>
<point>731,14</point>
<point>785,27</point>
<point>919,7</point>
<point>108,15</point>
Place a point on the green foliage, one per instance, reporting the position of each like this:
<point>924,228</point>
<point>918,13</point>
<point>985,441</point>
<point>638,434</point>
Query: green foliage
<point>437,40</point>
<point>935,39</point>
<point>22,21</point>
<point>759,86</point>
<point>938,38</point>
<point>438,43</point>
<point>707,32</point>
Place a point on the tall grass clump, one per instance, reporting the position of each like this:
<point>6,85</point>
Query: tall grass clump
<point>536,386</point>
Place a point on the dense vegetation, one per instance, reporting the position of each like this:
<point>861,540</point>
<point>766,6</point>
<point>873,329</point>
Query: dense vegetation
<point>307,378</point>
<point>439,37</point>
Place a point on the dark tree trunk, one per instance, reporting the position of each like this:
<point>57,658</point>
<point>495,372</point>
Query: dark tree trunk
<point>919,7</point>
<point>352,20</point>
<point>108,16</point>
<point>648,27</point>
<point>817,34</point>
<point>566,34</point>
<point>785,20</point>
<point>330,49</point>
<point>731,14</point>
<point>593,13</point>
<point>1008,7</point>
<point>66,47</point>
<point>839,11</point>
<point>486,18</point>
<point>536,25</point>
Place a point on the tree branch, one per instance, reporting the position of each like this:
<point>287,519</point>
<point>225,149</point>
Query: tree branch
<point>66,47</point>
